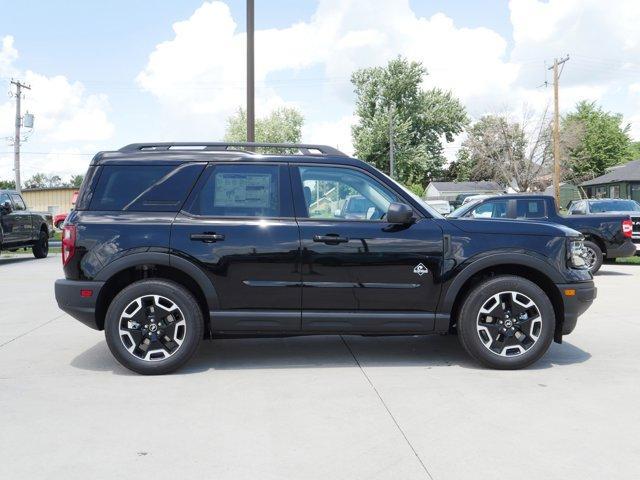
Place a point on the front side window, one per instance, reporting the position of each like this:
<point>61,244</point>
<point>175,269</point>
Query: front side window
<point>344,193</point>
<point>530,209</point>
<point>17,202</point>
<point>241,191</point>
<point>493,209</point>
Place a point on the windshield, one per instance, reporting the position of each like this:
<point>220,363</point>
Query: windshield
<point>614,206</point>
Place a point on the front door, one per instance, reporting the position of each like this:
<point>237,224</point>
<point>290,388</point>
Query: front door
<point>238,225</point>
<point>359,272</point>
<point>23,231</point>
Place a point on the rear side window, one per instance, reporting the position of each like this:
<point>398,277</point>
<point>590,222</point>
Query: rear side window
<point>151,188</point>
<point>530,209</point>
<point>18,204</point>
<point>243,191</point>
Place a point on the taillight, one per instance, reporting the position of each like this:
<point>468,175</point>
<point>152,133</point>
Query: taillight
<point>627,228</point>
<point>68,243</point>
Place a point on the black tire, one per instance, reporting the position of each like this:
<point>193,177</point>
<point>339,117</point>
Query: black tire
<point>189,311</point>
<point>469,324</point>
<point>40,249</point>
<point>594,256</point>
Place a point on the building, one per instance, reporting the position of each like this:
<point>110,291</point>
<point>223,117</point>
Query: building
<point>568,193</point>
<point>450,190</point>
<point>52,200</point>
<point>622,181</point>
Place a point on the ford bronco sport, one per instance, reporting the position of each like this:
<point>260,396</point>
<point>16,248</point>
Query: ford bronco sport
<point>173,243</point>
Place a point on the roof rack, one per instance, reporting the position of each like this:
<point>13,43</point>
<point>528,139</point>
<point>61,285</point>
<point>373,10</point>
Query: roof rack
<point>303,148</point>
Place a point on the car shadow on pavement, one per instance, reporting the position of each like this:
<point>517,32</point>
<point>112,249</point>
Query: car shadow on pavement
<point>10,260</point>
<point>605,273</point>
<point>432,351</point>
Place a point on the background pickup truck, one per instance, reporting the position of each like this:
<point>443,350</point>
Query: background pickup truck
<point>605,235</point>
<point>22,228</point>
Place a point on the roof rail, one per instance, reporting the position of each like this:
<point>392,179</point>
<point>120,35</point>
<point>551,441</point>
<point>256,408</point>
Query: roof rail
<point>303,148</point>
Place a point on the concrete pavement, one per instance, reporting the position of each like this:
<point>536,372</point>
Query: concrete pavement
<point>315,408</point>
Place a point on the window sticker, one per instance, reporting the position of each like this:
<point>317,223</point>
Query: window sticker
<point>242,190</point>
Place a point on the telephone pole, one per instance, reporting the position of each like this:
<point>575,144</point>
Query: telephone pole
<point>391,146</point>
<point>251,111</point>
<point>16,139</point>
<point>556,126</point>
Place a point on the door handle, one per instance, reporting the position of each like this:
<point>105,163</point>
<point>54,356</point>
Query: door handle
<point>330,239</point>
<point>207,237</point>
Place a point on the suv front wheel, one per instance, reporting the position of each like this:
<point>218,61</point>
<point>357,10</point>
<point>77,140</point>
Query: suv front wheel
<point>153,326</point>
<point>506,322</point>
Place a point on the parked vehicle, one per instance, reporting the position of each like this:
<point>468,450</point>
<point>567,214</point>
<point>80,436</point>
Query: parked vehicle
<point>443,207</point>
<point>171,243</point>
<point>606,236</point>
<point>21,227</point>
<point>356,207</point>
<point>618,206</point>
<point>58,220</point>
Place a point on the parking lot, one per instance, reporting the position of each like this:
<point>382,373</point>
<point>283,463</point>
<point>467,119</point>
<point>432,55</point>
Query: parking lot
<point>315,408</point>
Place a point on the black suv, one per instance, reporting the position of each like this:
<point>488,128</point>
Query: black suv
<point>173,243</point>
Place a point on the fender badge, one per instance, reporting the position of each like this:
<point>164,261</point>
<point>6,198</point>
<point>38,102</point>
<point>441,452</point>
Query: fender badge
<point>420,269</point>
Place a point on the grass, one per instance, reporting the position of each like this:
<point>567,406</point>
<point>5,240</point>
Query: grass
<point>629,260</point>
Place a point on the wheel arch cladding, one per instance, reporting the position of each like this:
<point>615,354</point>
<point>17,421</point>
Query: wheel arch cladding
<point>131,268</point>
<point>529,269</point>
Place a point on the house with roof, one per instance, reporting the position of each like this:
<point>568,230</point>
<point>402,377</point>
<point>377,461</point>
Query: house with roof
<point>450,190</point>
<point>621,181</point>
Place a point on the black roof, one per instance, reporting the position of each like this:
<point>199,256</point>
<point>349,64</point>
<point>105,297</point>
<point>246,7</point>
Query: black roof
<point>179,152</point>
<point>629,172</point>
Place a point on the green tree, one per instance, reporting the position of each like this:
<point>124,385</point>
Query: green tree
<point>42,180</point>
<point>421,120</point>
<point>7,184</point>
<point>593,140</point>
<point>283,125</point>
<point>76,180</point>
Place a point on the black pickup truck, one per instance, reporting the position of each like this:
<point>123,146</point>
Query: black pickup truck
<point>21,227</point>
<point>173,243</point>
<point>606,236</point>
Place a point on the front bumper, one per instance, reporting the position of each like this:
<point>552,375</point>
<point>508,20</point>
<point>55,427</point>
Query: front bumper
<point>627,249</point>
<point>70,300</point>
<point>576,304</point>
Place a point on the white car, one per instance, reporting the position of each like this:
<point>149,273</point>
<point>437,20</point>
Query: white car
<point>441,206</point>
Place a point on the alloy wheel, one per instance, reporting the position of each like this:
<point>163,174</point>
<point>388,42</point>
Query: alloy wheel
<point>590,257</point>
<point>509,323</point>
<point>152,328</point>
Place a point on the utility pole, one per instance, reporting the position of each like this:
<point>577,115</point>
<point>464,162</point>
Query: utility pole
<point>251,112</point>
<point>391,146</point>
<point>556,127</point>
<point>16,139</point>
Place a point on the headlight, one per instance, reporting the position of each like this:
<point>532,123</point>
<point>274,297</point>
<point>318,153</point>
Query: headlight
<point>576,254</point>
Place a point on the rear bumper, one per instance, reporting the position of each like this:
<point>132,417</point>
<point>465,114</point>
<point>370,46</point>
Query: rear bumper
<point>72,302</point>
<point>575,305</point>
<point>627,249</point>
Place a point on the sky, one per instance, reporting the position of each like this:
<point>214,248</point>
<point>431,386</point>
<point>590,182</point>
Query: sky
<point>105,74</point>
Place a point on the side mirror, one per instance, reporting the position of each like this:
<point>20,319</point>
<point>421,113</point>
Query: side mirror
<point>400,213</point>
<point>6,206</point>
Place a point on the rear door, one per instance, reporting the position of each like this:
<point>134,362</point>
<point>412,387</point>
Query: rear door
<point>361,273</point>
<point>238,225</point>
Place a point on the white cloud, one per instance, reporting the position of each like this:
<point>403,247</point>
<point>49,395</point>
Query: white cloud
<point>67,119</point>
<point>336,133</point>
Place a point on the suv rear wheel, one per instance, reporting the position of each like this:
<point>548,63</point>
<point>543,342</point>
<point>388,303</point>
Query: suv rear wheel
<point>153,326</point>
<point>506,322</point>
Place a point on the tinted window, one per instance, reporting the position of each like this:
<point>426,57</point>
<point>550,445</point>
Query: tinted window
<point>530,209</point>
<point>18,204</point>
<point>154,188</point>
<point>4,198</point>
<point>333,192</point>
<point>493,209</point>
<point>241,191</point>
